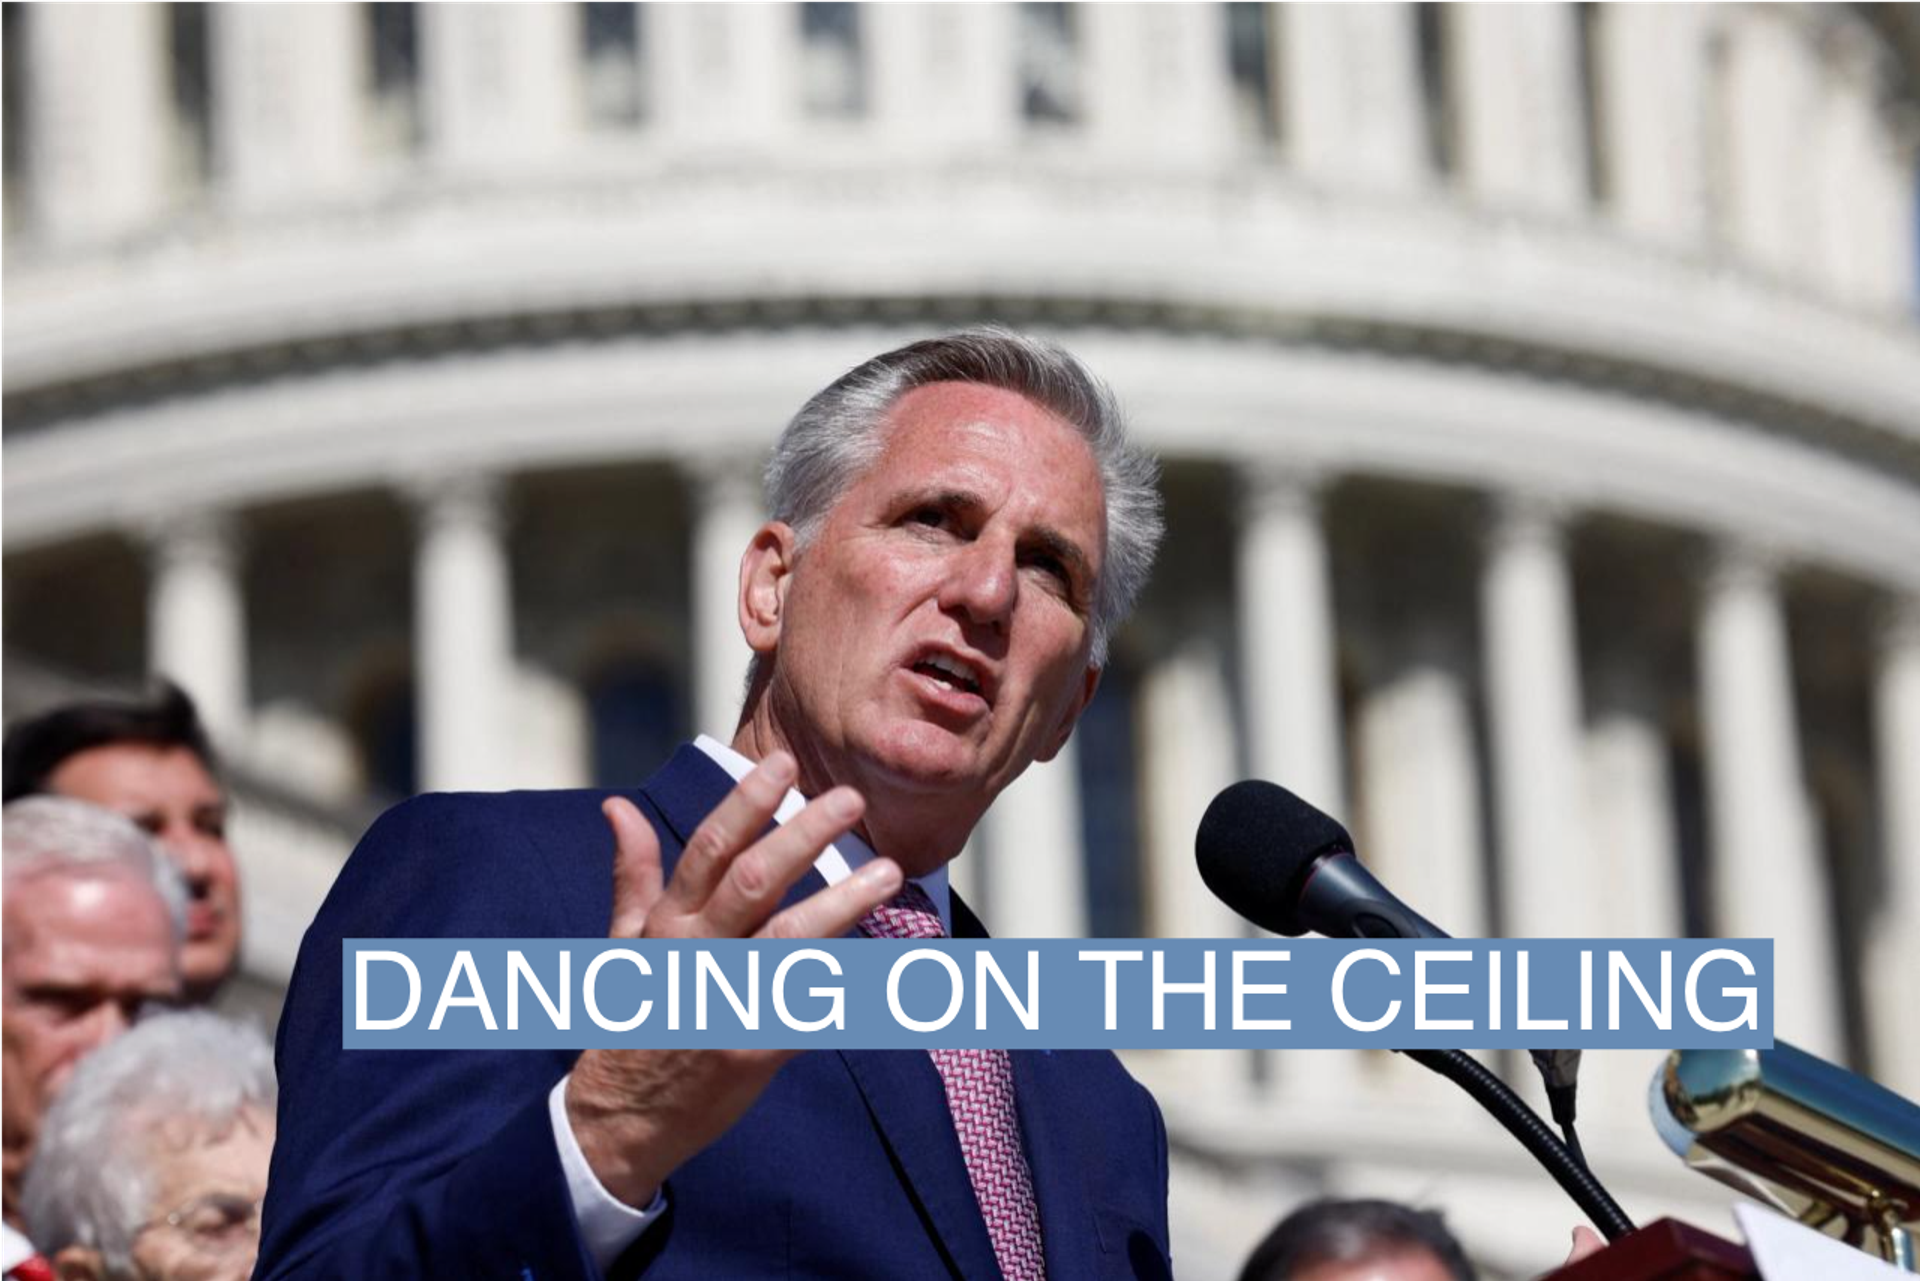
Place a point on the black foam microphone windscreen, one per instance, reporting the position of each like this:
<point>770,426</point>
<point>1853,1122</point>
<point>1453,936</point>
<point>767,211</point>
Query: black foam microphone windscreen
<point>1256,846</point>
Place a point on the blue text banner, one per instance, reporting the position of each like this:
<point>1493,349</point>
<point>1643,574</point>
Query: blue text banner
<point>1058,994</point>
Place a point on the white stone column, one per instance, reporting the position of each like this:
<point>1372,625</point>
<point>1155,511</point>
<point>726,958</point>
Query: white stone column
<point>1768,876</point>
<point>197,618</point>
<point>463,636</point>
<point>1632,836</point>
<point>1890,207</point>
<point>1292,712</point>
<point>1287,637</point>
<point>1629,807</point>
<point>1035,874</point>
<point>1652,63</point>
<point>1518,89</point>
<point>1865,224</point>
<point>1420,810</point>
<point>100,114</point>
<point>1893,948</point>
<point>902,55</point>
<point>1769,101</point>
<point>499,81</point>
<point>1157,79</point>
<point>286,99</point>
<point>1349,84</point>
<point>725,501</point>
<point>724,73</point>
<point>1533,695</point>
<point>967,875</point>
<point>943,74</point>
<point>551,742</point>
<point>1420,814</point>
<point>1187,730</point>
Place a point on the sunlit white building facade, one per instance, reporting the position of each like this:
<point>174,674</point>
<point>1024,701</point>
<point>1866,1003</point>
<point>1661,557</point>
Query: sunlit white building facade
<point>1538,387</point>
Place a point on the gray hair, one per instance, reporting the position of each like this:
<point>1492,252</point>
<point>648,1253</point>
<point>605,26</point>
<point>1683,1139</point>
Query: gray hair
<point>837,435</point>
<point>91,1182</point>
<point>43,834</point>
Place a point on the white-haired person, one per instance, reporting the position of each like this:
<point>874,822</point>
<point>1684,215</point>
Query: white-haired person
<point>153,1162</point>
<point>94,917</point>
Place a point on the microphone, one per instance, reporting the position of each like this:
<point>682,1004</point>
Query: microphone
<point>1289,867</point>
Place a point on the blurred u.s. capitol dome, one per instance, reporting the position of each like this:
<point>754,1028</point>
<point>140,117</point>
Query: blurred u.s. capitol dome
<point>1538,387</point>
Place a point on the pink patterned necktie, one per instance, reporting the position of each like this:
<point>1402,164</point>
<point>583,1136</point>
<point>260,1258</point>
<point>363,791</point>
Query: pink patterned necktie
<point>979,1086</point>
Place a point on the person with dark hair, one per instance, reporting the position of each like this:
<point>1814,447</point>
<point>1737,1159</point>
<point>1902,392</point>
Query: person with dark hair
<point>151,761</point>
<point>1359,1241</point>
<point>955,530</point>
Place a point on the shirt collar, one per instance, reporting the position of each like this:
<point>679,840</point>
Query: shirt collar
<point>839,860</point>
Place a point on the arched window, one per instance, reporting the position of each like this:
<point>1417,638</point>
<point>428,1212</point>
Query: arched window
<point>1108,758</point>
<point>1913,236</point>
<point>13,112</point>
<point>1050,88</point>
<point>1437,88</point>
<point>382,716</point>
<point>1590,53</point>
<point>615,85</point>
<point>1250,68</point>
<point>1846,826</point>
<point>393,63</point>
<point>191,89</point>
<point>637,717</point>
<point>832,72</point>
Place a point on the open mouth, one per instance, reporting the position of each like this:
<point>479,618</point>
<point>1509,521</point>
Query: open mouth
<point>949,673</point>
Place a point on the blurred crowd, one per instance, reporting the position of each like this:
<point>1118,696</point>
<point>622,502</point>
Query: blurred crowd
<point>139,1121</point>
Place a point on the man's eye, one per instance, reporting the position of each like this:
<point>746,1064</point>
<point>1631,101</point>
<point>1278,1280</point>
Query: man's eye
<point>63,1003</point>
<point>934,517</point>
<point>1052,566</point>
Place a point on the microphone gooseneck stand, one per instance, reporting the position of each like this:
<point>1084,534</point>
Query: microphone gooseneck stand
<point>1525,1125</point>
<point>1290,868</point>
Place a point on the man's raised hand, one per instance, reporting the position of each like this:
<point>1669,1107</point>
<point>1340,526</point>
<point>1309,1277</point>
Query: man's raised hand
<point>730,878</point>
<point>639,1114</point>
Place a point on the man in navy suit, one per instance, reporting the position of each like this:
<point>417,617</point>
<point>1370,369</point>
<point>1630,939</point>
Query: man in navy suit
<point>957,528</point>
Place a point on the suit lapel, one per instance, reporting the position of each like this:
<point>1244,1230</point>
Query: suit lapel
<point>1059,1181</point>
<point>909,1107</point>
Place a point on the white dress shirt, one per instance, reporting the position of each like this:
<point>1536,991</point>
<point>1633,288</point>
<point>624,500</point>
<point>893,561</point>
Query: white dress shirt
<point>15,1249</point>
<point>609,1225</point>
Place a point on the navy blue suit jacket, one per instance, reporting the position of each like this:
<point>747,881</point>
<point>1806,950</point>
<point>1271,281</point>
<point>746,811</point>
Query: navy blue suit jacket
<point>442,1164</point>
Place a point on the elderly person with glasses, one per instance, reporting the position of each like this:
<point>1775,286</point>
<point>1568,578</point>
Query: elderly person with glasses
<point>153,1162</point>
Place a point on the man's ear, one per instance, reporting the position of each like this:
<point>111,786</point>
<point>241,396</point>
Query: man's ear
<point>766,571</point>
<point>78,1263</point>
<point>1089,682</point>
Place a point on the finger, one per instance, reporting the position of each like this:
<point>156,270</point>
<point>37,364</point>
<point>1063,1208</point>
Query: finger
<point>761,874</point>
<point>636,867</point>
<point>734,824</point>
<point>838,908</point>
